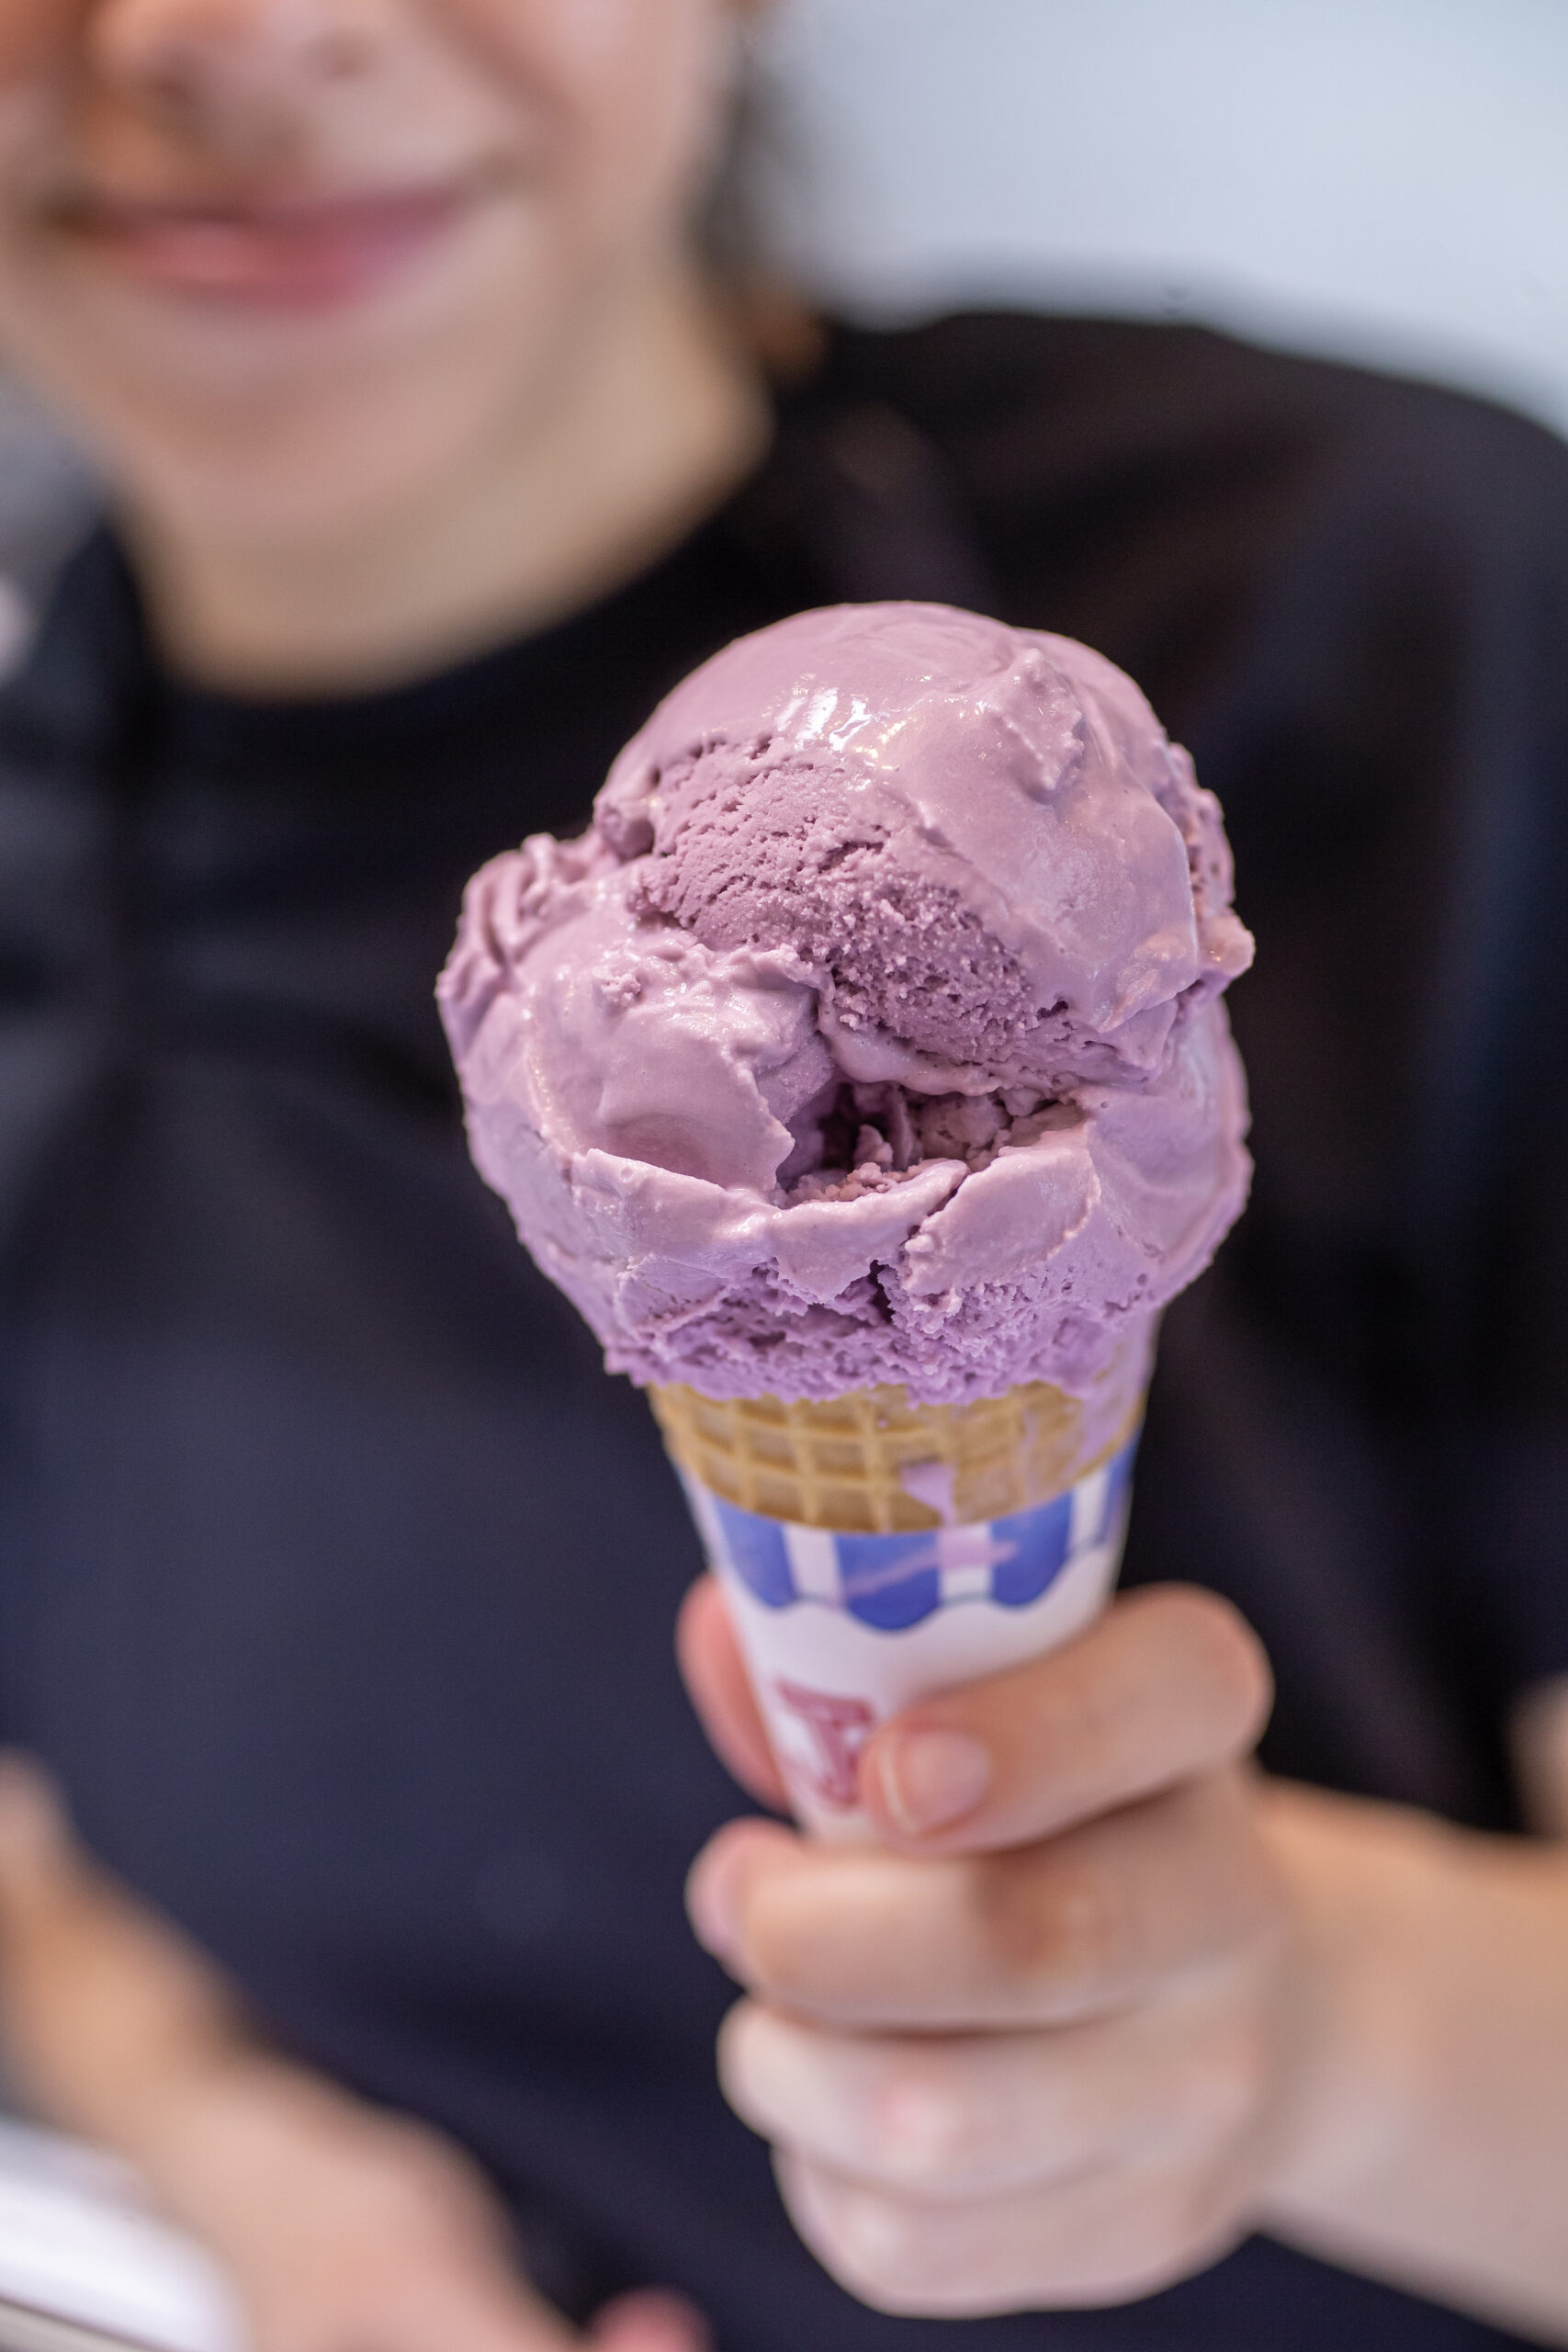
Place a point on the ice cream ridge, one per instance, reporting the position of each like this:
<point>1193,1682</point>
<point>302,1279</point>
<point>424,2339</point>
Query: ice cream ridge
<point>862,1076</point>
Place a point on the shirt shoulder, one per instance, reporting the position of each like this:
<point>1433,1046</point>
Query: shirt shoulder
<point>1086,450</point>
<point>1032,394</point>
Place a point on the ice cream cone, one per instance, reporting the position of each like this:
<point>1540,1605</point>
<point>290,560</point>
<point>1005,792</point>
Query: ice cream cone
<point>873,1550</point>
<point>868,1047</point>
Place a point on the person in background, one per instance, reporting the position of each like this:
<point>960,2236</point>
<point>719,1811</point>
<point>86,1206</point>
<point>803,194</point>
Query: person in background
<point>352,1788</point>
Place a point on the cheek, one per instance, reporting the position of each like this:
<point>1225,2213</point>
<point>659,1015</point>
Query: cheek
<point>638,90</point>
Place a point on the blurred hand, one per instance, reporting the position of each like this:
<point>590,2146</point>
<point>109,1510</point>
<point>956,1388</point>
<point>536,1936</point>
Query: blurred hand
<point>342,2228</point>
<point>349,2233</point>
<point>1037,2049</point>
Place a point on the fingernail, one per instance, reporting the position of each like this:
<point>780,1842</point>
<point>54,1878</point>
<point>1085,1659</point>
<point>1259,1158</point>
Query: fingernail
<point>930,1777</point>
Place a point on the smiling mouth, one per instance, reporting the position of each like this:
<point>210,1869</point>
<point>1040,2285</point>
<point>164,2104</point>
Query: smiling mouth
<point>283,256</point>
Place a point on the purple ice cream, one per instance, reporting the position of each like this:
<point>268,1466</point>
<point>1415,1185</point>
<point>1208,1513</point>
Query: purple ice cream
<point>871,1033</point>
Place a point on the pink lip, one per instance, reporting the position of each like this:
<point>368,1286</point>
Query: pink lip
<point>284,256</point>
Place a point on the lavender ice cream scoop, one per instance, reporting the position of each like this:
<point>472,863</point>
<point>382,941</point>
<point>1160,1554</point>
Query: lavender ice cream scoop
<point>872,1032</point>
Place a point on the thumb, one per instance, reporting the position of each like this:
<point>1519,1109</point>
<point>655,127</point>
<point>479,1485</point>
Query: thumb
<point>651,2321</point>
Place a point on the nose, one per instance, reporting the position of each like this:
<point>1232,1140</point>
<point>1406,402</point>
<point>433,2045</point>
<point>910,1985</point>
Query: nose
<point>236,76</point>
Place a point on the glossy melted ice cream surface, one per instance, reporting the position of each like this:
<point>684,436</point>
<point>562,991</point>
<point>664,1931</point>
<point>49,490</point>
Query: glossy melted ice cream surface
<point>872,1032</point>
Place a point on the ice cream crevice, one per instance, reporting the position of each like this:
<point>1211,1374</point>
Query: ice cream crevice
<point>855,1138</point>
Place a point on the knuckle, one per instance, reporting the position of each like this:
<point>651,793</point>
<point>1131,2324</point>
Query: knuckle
<point>1239,1683</point>
<point>924,2126</point>
<point>1247,1895</point>
<point>1171,2234</point>
<point>1203,2225</point>
<point>880,2239</point>
<point>890,2254</point>
<point>1229,2085</point>
<point>778,1941</point>
<point>866,2241</point>
<point>1053,1930</point>
<point>1211,1894</point>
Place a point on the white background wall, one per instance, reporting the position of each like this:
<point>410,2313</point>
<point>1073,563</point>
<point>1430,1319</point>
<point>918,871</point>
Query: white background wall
<point>1383,180</point>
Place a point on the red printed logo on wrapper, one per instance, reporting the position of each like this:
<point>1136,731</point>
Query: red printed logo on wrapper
<point>838,1728</point>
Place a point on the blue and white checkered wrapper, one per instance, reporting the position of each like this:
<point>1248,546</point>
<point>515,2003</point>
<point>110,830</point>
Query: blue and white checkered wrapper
<point>841,1630</point>
<point>894,1582</point>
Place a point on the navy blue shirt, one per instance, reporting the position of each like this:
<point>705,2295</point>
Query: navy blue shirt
<point>339,1581</point>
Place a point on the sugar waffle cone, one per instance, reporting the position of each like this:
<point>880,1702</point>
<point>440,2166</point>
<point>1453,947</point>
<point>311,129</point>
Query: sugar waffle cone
<point>839,1464</point>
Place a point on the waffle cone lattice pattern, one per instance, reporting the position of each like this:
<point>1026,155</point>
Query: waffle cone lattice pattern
<point>837,1463</point>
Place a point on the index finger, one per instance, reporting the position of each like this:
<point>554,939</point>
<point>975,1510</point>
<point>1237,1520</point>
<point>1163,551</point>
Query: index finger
<point>1170,1683</point>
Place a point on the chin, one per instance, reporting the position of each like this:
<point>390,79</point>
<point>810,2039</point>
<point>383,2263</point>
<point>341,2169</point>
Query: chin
<point>295,473</point>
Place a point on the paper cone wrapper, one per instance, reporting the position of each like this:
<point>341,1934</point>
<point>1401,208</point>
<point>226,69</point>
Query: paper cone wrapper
<point>872,1552</point>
